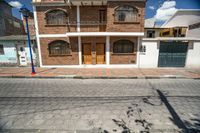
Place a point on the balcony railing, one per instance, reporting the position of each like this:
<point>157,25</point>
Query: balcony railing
<point>87,23</point>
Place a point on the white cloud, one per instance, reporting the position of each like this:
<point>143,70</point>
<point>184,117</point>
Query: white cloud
<point>166,11</point>
<point>15,4</point>
<point>168,4</point>
<point>152,7</point>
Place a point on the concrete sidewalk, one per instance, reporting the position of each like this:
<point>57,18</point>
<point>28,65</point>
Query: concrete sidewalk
<point>106,73</point>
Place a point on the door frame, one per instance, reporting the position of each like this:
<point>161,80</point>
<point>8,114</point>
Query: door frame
<point>82,51</point>
<point>104,53</point>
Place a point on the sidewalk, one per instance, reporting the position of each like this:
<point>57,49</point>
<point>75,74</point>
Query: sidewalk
<point>84,73</point>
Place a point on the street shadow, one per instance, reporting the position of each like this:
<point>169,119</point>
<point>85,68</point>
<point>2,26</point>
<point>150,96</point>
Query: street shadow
<point>193,125</point>
<point>122,124</point>
<point>132,110</point>
<point>175,117</point>
<point>147,101</point>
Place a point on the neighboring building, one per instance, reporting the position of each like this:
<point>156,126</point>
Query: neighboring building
<point>178,43</point>
<point>30,24</point>
<point>89,32</point>
<point>184,23</point>
<point>14,50</point>
<point>151,29</point>
<point>9,24</point>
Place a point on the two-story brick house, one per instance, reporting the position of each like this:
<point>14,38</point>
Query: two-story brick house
<point>89,32</point>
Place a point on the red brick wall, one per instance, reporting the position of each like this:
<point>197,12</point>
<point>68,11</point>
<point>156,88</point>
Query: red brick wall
<point>59,60</point>
<point>91,13</point>
<point>57,29</point>
<point>123,58</point>
<point>125,27</point>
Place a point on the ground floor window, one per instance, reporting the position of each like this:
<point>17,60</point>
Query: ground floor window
<point>59,48</point>
<point>1,49</point>
<point>123,46</point>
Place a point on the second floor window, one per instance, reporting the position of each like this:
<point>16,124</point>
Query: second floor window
<point>150,34</point>
<point>125,14</point>
<point>59,48</point>
<point>56,17</point>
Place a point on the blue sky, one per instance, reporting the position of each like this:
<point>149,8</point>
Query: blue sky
<point>180,4</point>
<point>161,8</point>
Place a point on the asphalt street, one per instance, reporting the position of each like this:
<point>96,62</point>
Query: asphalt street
<point>99,105</point>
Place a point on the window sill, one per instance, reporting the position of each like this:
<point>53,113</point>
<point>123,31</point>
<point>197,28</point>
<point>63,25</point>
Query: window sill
<point>123,53</point>
<point>55,25</point>
<point>57,55</point>
<point>117,22</point>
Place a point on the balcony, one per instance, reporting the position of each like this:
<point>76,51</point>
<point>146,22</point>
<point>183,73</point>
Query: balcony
<point>90,26</point>
<point>88,23</point>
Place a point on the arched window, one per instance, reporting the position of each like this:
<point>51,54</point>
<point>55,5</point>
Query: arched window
<point>59,48</point>
<point>123,46</point>
<point>125,14</point>
<point>56,17</point>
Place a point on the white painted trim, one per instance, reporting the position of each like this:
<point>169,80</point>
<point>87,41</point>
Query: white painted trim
<point>92,66</point>
<point>51,35</point>
<point>138,52</point>
<point>37,35</point>
<point>172,39</point>
<point>74,34</point>
<point>78,18</point>
<point>107,50</point>
<point>79,50</point>
<point>105,34</point>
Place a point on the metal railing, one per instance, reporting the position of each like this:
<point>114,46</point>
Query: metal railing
<point>87,23</point>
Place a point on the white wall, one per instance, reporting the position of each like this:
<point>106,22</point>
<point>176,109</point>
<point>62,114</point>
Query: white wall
<point>193,55</point>
<point>150,58</point>
<point>193,33</point>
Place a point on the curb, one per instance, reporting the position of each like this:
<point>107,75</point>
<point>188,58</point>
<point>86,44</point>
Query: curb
<point>99,77</point>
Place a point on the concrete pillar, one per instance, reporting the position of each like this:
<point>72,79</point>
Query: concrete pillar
<point>107,50</point>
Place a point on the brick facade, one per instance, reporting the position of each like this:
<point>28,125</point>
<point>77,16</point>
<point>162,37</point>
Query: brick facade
<point>55,29</point>
<point>71,59</point>
<point>89,22</point>
<point>113,26</point>
<point>129,58</point>
<point>89,17</point>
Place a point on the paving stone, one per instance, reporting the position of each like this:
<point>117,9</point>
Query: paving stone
<point>95,105</point>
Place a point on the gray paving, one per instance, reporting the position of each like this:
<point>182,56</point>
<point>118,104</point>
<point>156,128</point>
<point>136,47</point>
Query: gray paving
<point>99,105</point>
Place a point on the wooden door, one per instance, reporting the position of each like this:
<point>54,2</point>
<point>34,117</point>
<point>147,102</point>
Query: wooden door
<point>100,53</point>
<point>87,53</point>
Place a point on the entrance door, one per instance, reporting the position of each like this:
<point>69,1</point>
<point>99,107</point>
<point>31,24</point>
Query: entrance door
<point>87,53</point>
<point>172,54</point>
<point>100,53</point>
